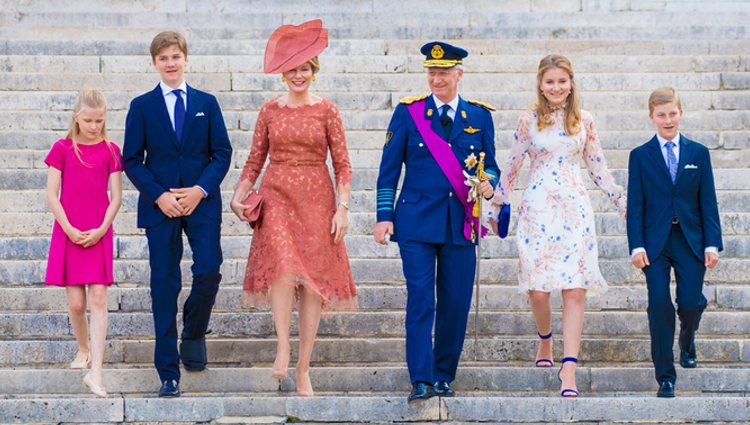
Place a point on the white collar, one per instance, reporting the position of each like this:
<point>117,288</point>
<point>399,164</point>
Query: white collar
<point>663,141</point>
<point>439,103</point>
<point>165,89</point>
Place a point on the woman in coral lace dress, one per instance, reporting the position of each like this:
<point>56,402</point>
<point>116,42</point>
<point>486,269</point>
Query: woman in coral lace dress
<point>556,232</point>
<point>297,250</point>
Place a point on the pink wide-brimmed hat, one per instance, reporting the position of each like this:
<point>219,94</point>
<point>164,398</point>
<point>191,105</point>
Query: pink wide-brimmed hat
<point>293,45</point>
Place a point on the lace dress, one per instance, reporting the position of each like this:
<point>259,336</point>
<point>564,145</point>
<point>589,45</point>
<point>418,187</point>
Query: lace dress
<point>294,243</point>
<point>556,232</point>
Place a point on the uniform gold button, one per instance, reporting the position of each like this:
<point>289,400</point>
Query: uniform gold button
<point>450,193</point>
<point>449,145</point>
<point>472,146</point>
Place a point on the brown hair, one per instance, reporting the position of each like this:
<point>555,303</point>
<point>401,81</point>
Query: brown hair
<point>165,39</point>
<point>661,96</point>
<point>572,106</point>
<point>87,99</point>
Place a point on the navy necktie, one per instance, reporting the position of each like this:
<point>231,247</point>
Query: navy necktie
<point>446,121</point>
<point>179,114</point>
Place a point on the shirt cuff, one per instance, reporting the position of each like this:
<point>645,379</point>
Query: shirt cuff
<point>712,249</point>
<point>205,194</point>
<point>637,251</point>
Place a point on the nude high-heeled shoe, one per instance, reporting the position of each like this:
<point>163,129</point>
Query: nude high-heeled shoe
<point>81,361</point>
<point>95,389</point>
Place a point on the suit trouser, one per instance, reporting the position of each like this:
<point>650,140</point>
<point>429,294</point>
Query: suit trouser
<point>165,253</point>
<point>689,272</point>
<point>454,283</point>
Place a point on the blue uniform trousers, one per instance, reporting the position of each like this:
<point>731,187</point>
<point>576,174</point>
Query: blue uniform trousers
<point>454,282</point>
<point>165,253</point>
<point>689,272</point>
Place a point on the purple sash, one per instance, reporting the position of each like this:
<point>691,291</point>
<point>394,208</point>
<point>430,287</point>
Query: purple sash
<point>448,163</point>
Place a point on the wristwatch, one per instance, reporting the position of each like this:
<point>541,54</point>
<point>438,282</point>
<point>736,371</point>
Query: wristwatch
<point>343,204</point>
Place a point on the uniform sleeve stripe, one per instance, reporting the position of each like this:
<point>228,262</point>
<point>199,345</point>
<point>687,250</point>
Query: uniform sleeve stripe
<point>385,209</point>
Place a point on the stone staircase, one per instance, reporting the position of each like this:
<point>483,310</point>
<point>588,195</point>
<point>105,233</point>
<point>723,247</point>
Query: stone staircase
<point>50,50</point>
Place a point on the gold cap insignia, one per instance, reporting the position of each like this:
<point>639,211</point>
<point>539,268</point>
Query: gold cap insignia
<point>429,112</point>
<point>437,52</point>
<point>463,114</point>
<point>470,161</point>
<point>472,130</point>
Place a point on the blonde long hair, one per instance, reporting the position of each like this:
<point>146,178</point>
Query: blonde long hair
<point>573,104</point>
<point>88,99</point>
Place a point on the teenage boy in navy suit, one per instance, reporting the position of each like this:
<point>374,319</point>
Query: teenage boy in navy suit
<point>673,223</point>
<point>176,153</point>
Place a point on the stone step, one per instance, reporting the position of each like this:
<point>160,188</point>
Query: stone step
<point>371,296</point>
<point>360,245</point>
<point>594,101</point>
<point>336,351</point>
<point>478,379</point>
<point>380,46</point>
<point>351,324</point>
<point>388,408</point>
<point>629,10</point>
<point>366,163</point>
<point>339,17</point>
<point>42,140</point>
<point>408,62</point>
<point>362,26</point>
<point>21,233</point>
<point>394,82</point>
<point>376,269</point>
<point>705,120</point>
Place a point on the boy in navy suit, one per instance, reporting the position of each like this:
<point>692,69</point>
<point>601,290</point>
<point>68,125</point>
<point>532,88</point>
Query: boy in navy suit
<point>176,153</point>
<point>673,223</point>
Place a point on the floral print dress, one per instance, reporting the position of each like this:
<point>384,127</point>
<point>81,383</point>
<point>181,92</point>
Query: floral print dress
<point>556,234</point>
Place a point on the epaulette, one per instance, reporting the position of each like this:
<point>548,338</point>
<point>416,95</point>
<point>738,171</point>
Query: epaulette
<point>484,105</point>
<point>408,100</point>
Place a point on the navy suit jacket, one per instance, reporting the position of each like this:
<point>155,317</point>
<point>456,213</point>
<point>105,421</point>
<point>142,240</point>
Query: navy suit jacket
<point>653,200</point>
<point>155,161</point>
<point>427,196</point>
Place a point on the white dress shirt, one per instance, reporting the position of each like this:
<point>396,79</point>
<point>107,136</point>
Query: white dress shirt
<point>453,104</point>
<point>170,98</point>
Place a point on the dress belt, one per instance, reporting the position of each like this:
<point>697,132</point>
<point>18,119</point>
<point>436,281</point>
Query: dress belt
<point>298,162</point>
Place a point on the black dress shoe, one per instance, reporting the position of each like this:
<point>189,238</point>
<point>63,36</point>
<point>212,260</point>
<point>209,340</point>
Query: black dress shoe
<point>443,389</point>
<point>421,391</point>
<point>193,354</point>
<point>666,390</point>
<point>687,361</point>
<point>170,388</point>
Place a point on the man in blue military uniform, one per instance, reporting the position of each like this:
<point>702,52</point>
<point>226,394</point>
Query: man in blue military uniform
<point>438,137</point>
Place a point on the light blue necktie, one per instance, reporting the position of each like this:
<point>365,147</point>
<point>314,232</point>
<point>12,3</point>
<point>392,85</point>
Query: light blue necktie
<point>671,161</point>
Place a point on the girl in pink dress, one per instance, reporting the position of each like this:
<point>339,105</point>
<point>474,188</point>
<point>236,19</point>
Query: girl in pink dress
<point>80,167</point>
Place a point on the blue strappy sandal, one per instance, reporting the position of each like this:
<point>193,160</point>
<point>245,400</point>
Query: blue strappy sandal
<point>567,392</point>
<point>544,362</point>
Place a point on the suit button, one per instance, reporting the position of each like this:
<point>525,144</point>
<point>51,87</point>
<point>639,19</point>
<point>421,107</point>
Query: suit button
<point>421,144</point>
<point>449,145</point>
<point>450,194</point>
<point>472,146</point>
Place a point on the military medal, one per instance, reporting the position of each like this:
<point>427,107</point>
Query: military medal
<point>470,161</point>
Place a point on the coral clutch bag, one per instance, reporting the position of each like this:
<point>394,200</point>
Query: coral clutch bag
<point>253,212</point>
